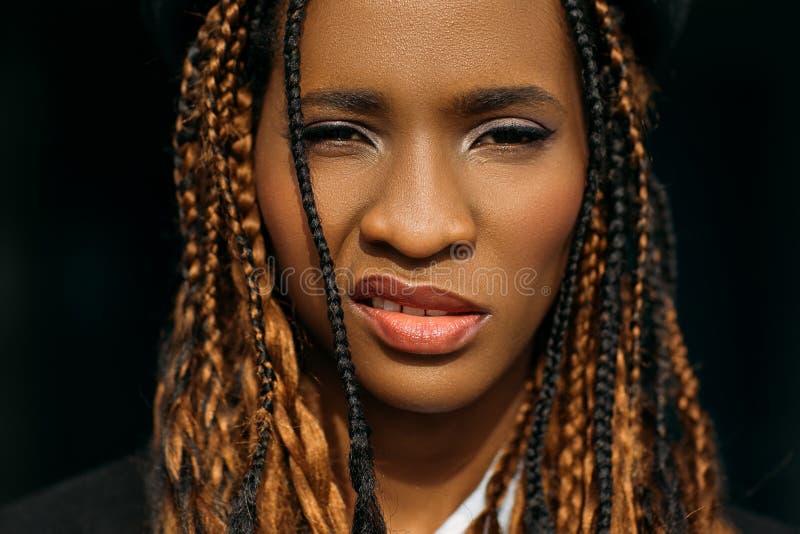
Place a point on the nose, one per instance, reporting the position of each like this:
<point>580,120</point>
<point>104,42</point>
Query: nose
<point>422,207</point>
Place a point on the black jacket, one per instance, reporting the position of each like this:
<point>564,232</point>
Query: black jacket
<point>110,500</point>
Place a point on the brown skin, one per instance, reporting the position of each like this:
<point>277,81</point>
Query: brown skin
<point>405,184</point>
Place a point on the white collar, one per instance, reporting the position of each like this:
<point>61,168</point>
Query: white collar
<point>459,521</point>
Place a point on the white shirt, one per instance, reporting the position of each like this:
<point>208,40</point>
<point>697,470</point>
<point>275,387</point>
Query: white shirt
<point>459,520</point>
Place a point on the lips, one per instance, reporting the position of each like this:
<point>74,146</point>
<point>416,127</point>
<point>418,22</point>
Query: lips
<point>418,319</point>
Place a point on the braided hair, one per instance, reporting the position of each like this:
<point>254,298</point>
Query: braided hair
<point>611,433</point>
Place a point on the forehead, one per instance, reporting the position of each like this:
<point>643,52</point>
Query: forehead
<point>418,50</point>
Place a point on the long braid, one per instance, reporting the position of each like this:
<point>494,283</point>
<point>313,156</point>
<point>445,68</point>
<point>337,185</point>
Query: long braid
<point>606,364</point>
<point>220,461</point>
<point>580,23</point>
<point>612,356</point>
<point>660,281</point>
<point>628,109</point>
<point>624,448</point>
<point>588,462</point>
<point>298,430</point>
<point>219,78</point>
<point>220,464</point>
<point>668,267</point>
<point>703,509</point>
<point>537,516</point>
<point>177,435</point>
<point>695,477</point>
<point>665,469</point>
<point>573,427</point>
<point>367,516</point>
<point>590,501</point>
<point>537,512</point>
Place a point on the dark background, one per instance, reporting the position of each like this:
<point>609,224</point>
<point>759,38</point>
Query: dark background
<point>89,246</point>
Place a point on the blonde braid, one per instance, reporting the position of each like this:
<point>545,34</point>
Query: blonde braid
<point>176,431</point>
<point>702,502</point>
<point>632,98</point>
<point>570,460</point>
<point>308,458</point>
<point>624,446</point>
<point>590,497</point>
<point>220,135</point>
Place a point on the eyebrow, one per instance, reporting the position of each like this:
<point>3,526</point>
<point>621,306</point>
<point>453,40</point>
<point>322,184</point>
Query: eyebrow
<point>488,99</point>
<point>356,100</point>
<point>473,102</point>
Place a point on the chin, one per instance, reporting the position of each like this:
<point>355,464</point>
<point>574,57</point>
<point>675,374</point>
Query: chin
<point>431,384</point>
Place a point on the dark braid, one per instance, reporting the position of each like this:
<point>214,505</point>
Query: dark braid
<point>367,516</point>
<point>609,341</point>
<point>652,517</point>
<point>537,516</point>
<point>242,515</point>
<point>648,280</point>
<point>665,468</point>
<point>668,265</point>
<point>537,513</point>
<point>621,176</point>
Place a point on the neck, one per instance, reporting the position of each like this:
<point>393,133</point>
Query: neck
<point>426,463</point>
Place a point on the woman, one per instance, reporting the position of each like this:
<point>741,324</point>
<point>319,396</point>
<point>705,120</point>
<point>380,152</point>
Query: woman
<point>428,280</point>
<point>535,159</point>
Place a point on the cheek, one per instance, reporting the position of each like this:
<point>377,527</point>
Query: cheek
<point>529,225</point>
<point>539,221</point>
<point>532,213</point>
<point>281,207</point>
<point>287,226</point>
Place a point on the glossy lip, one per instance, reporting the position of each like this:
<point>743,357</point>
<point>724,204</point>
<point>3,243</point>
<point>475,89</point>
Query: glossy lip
<point>418,334</point>
<point>425,296</point>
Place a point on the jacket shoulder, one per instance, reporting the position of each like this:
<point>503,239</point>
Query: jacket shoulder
<point>751,523</point>
<point>109,499</point>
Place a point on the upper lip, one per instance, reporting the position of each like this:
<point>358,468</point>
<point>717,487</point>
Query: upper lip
<point>425,296</point>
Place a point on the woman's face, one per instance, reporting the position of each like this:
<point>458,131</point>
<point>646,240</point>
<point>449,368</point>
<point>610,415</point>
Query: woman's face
<point>429,124</point>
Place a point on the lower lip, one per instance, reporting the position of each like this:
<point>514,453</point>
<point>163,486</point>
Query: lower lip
<point>422,334</point>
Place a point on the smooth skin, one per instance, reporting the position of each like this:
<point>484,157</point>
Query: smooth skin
<point>461,123</point>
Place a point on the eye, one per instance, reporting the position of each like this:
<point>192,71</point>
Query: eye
<point>513,133</point>
<point>334,133</point>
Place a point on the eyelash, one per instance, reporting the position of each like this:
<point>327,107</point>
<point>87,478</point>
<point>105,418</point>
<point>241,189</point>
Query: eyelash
<point>317,134</point>
<point>328,133</point>
<point>533,133</point>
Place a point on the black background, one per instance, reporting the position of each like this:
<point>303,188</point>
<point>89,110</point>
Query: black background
<point>89,246</point>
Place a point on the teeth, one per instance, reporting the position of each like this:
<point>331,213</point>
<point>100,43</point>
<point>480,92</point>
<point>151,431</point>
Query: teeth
<point>413,311</point>
<point>388,305</point>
